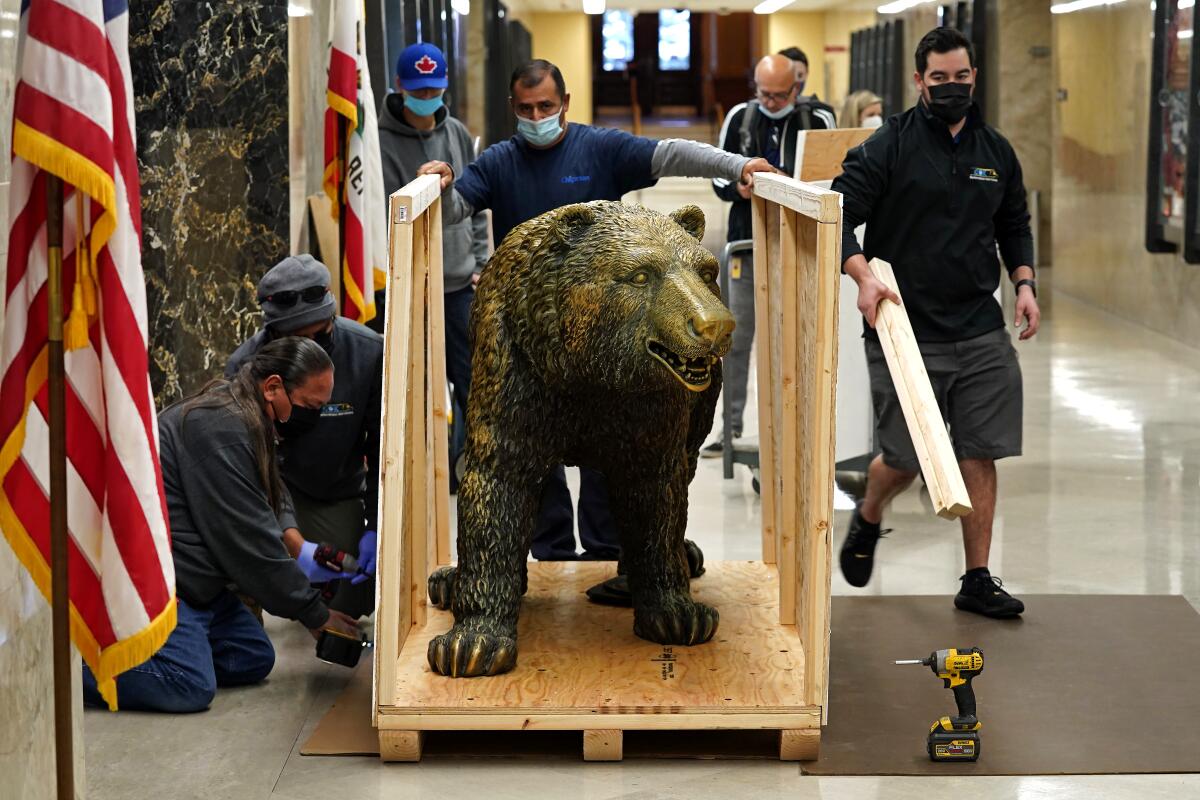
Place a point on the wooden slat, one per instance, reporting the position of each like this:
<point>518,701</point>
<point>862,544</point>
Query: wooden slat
<point>393,611</point>
<point>418,458</point>
<point>813,202</point>
<point>414,198</point>
<point>766,430</point>
<point>819,153</point>
<point>820,282</point>
<point>603,744</point>
<point>437,375</point>
<point>431,260</point>
<point>925,424</point>
<point>786,261</point>
<point>525,719</point>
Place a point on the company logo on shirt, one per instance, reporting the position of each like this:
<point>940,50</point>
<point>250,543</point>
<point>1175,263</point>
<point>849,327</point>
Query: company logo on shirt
<point>337,410</point>
<point>984,174</point>
<point>576,178</point>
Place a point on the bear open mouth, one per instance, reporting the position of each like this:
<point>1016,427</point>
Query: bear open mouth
<point>694,373</point>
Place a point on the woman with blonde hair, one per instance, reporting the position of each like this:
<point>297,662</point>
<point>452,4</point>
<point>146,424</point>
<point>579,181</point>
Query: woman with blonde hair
<point>863,109</point>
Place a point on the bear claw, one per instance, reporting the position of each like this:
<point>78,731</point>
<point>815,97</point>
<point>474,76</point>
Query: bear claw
<point>468,654</point>
<point>441,587</point>
<point>684,623</point>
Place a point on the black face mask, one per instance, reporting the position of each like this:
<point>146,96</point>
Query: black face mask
<point>301,421</point>
<point>325,339</point>
<point>950,102</point>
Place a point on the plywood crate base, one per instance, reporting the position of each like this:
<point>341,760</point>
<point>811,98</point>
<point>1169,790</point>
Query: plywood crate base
<point>581,668</point>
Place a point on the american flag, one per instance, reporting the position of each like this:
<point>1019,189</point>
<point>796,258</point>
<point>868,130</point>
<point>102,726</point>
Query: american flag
<point>73,117</point>
<point>358,168</point>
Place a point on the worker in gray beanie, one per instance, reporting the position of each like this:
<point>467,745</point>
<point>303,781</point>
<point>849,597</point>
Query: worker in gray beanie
<point>332,473</point>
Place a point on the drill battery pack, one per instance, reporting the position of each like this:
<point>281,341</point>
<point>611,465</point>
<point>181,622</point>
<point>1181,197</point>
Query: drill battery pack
<point>334,647</point>
<point>954,740</point>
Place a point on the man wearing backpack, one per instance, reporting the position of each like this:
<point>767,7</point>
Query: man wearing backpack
<point>764,126</point>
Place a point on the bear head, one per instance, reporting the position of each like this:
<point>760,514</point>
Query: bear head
<point>625,298</point>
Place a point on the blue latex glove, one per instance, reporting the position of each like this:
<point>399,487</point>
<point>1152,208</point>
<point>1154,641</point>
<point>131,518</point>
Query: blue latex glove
<point>315,572</point>
<point>367,547</point>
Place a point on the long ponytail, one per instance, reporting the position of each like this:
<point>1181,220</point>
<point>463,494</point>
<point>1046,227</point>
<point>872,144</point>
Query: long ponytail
<point>294,359</point>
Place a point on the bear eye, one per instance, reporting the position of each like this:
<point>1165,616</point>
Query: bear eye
<point>709,276</point>
<point>640,278</point>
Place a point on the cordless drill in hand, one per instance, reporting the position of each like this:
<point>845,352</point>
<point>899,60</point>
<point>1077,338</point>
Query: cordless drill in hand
<point>955,738</point>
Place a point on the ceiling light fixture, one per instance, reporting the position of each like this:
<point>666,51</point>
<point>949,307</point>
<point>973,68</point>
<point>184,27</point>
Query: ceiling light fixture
<point>593,6</point>
<point>1081,5</point>
<point>771,6</point>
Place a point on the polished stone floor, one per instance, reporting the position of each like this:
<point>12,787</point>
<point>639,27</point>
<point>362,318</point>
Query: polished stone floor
<point>1104,501</point>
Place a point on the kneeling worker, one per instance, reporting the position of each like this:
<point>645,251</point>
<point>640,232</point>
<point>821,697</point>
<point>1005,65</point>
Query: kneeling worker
<point>332,475</point>
<point>224,500</point>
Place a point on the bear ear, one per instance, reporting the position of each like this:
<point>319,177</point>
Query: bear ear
<point>571,220</point>
<point>691,219</point>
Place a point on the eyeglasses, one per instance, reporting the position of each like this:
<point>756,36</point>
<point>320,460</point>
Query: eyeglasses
<point>288,298</point>
<point>775,97</point>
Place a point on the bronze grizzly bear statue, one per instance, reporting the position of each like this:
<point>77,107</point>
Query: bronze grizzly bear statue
<point>596,333</point>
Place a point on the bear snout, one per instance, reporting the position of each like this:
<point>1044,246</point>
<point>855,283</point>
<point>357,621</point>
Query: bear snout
<point>712,326</point>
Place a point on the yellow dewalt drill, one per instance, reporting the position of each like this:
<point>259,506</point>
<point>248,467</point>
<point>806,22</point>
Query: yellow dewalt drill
<point>955,738</point>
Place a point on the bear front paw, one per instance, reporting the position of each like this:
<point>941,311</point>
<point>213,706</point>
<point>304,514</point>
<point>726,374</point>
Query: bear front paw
<point>462,653</point>
<point>441,587</point>
<point>681,622</point>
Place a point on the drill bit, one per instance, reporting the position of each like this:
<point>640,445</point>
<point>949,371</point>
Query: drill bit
<point>912,661</point>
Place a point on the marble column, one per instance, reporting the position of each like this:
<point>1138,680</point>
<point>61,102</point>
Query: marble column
<point>211,92</point>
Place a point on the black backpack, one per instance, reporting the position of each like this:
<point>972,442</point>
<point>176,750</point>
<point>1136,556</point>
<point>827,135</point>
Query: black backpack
<point>746,136</point>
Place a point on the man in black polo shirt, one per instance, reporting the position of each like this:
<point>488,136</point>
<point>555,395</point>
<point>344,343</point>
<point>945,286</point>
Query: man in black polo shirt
<point>939,190</point>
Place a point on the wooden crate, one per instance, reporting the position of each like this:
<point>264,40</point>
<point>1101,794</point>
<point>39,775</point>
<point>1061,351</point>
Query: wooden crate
<point>580,666</point>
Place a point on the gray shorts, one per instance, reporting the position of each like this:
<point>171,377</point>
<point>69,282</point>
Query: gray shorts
<point>977,384</point>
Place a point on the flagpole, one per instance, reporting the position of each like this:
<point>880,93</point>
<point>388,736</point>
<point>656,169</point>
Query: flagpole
<point>341,199</point>
<point>60,598</point>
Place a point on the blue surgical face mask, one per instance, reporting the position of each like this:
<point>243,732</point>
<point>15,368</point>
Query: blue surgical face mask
<point>780,114</point>
<point>422,108</point>
<point>540,133</point>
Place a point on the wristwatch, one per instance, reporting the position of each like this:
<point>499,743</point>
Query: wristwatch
<point>1030,282</point>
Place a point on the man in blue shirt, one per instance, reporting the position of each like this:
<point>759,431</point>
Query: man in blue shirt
<point>549,164</point>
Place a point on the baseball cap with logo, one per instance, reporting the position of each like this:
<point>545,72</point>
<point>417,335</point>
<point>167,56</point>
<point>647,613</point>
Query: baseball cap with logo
<point>421,66</point>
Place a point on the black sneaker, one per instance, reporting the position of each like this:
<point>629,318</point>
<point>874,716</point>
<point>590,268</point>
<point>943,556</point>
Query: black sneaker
<point>716,448</point>
<point>858,551</point>
<point>985,595</point>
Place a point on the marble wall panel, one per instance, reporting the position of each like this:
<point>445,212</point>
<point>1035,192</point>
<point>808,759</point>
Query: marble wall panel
<point>1102,62</point>
<point>211,91</point>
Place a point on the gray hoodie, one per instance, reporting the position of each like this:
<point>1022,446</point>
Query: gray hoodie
<point>404,149</point>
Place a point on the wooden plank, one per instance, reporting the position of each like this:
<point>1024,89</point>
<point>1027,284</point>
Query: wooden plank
<point>800,745</point>
<point>582,659</point>
<point>785,264</point>
<point>414,198</point>
<point>925,423</point>
<point>440,416</point>
<point>766,430</point>
<point>400,746</point>
<point>771,339</point>
<point>499,719</point>
<point>820,153</point>
<point>418,527</point>
<point>602,745</point>
<point>823,205</point>
<point>430,260</point>
<point>821,282</point>
<point>324,229</point>
<point>393,611</point>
